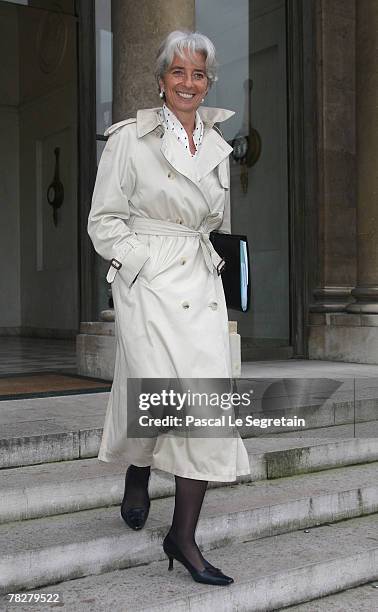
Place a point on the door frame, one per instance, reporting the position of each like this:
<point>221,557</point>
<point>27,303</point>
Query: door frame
<point>301,155</point>
<point>301,87</point>
<point>87,153</point>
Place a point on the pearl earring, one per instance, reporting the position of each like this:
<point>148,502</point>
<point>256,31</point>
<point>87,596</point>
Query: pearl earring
<point>203,100</point>
<point>161,94</point>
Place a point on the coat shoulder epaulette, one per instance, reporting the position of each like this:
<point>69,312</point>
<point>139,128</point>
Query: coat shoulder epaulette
<point>117,126</point>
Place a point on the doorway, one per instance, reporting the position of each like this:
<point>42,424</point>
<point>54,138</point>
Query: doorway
<point>39,283</point>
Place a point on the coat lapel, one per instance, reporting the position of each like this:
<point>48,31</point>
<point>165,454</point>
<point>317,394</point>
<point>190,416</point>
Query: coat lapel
<point>212,152</point>
<point>214,149</point>
<point>178,157</point>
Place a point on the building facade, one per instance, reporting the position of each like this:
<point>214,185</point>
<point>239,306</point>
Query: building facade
<point>301,76</point>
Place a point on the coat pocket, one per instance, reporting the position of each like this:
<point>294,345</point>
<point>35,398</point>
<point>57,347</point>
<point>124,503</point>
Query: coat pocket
<point>165,253</point>
<point>136,259</point>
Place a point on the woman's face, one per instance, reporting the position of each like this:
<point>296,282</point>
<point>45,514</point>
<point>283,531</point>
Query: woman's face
<point>185,83</point>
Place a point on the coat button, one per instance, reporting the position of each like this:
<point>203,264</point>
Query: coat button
<point>179,221</point>
<point>213,305</point>
<point>171,175</point>
<point>183,261</point>
<point>185,305</point>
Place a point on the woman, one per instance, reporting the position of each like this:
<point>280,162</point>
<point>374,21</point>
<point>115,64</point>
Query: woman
<point>162,186</point>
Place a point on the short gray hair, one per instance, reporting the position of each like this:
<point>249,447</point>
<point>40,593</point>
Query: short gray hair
<point>193,42</point>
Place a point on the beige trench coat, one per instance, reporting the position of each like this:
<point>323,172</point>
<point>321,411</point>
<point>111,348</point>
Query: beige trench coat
<point>170,312</point>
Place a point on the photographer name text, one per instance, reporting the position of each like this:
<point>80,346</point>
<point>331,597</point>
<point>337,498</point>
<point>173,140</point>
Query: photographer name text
<point>225,420</point>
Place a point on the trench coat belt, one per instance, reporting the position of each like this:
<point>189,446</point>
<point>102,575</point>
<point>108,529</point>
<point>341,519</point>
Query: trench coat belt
<point>159,227</point>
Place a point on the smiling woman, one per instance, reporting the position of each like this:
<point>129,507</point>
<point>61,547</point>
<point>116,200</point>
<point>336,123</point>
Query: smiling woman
<point>162,186</point>
<point>184,86</point>
<point>184,75</point>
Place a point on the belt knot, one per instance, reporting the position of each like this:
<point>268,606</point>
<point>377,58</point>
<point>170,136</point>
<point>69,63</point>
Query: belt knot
<point>160,227</point>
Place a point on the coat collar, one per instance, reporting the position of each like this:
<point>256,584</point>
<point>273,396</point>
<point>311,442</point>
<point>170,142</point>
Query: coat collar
<point>214,149</point>
<point>148,119</point>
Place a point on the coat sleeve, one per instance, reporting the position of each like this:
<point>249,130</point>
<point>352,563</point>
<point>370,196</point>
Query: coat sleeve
<point>225,227</point>
<point>109,213</point>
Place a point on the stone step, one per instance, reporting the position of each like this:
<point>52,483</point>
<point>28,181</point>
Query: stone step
<point>53,549</point>
<point>41,430</point>
<point>70,486</point>
<point>358,599</point>
<point>270,574</point>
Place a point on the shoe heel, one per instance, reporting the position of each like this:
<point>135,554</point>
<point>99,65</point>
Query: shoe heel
<point>204,576</point>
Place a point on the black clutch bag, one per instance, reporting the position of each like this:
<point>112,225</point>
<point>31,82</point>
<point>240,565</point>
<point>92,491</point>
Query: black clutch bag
<point>233,248</point>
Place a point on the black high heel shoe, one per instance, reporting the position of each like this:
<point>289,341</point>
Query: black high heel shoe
<point>134,517</point>
<point>205,576</point>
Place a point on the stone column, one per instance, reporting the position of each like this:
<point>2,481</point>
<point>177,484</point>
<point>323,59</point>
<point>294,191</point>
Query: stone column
<point>335,79</point>
<point>366,291</point>
<point>138,29</point>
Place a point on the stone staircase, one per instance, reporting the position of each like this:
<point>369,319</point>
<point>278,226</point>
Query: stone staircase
<point>302,526</point>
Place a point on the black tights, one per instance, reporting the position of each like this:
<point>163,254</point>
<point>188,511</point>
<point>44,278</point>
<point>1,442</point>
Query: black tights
<point>137,486</point>
<point>188,503</point>
<point>189,496</point>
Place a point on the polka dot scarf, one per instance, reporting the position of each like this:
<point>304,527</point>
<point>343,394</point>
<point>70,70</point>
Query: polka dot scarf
<point>172,124</point>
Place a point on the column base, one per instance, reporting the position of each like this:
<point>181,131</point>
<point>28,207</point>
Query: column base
<point>95,349</point>
<point>96,345</point>
<point>345,337</point>
<point>366,300</point>
<point>331,299</point>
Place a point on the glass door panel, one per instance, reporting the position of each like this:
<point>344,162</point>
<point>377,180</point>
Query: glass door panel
<point>250,38</point>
